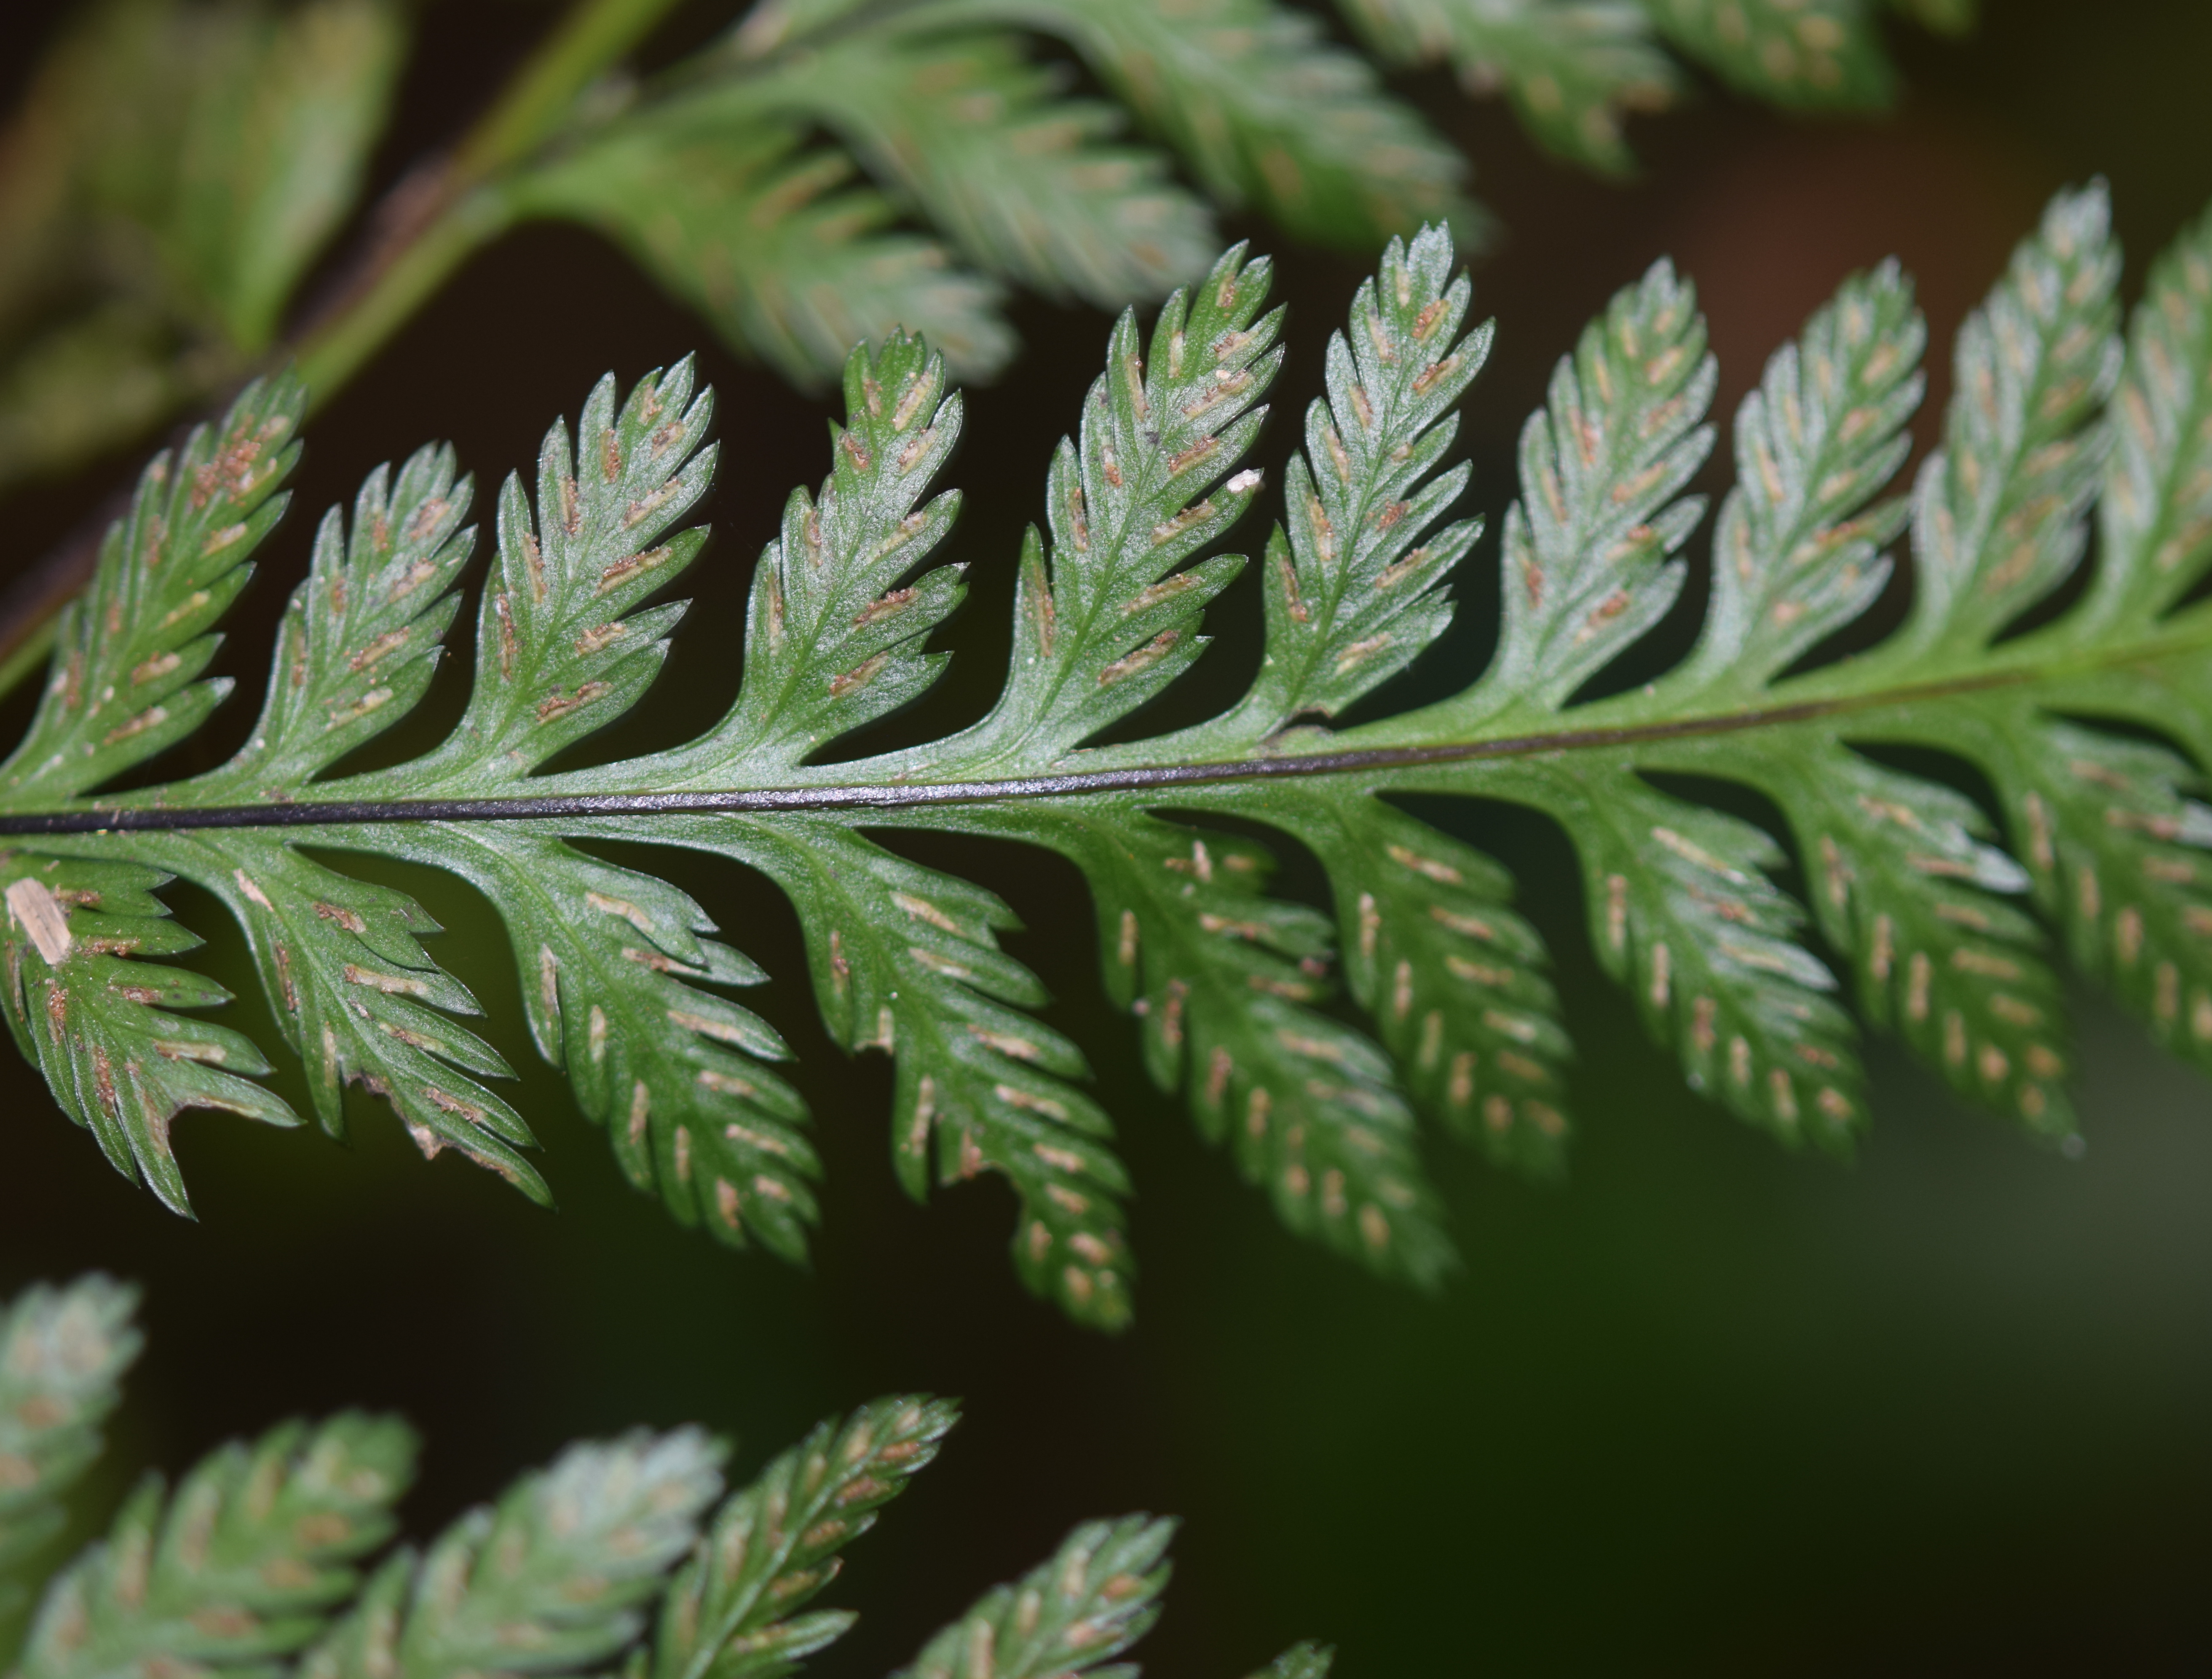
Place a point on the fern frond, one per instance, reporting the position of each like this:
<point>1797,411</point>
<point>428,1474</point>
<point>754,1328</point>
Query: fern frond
<point>241,1568</point>
<point>2000,514</point>
<point>615,1559</point>
<point>1263,108</point>
<point>1353,592</point>
<point>1093,1600</point>
<point>1022,181</point>
<point>1104,620</point>
<point>906,961</point>
<point>363,635</point>
<point>766,238</point>
<point>554,1579</point>
<point>2155,508</point>
<point>1905,878</point>
<point>358,998</point>
<point>128,651</point>
<point>96,1024</point>
<point>729,1612</point>
<point>1572,69</point>
<point>570,644</point>
<point>1813,53</point>
<point>63,1353</point>
<point>1797,550</point>
<point>1225,981</point>
<point>1303,1661</point>
<point>2085,712</point>
<point>252,142</point>
<point>615,965</point>
<point>1454,979</point>
<point>1590,553</point>
<point>839,608</point>
<point>1683,912</point>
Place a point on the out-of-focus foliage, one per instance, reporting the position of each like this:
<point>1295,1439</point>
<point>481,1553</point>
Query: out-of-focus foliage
<point>717,177</point>
<point>1571,68</point>
<point>173,172</point>
<point>627,1555</point>
<point>63,1353</point>
<point>826,171</point>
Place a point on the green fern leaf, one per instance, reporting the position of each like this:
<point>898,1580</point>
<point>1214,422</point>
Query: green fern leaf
<point>358,999</point>
<point>1352,591</point>
<point>1797,547</point>
<point>270,120</point>
<point>906,961</point>
<point>1905,878</point>
<point>1590,553</point>
<point>610,1554</point>
<point>1815,53</point>
<point>773,1545</point>
<point>1262,106</point>
<point>1943,916</point>
<point>838,613</point>
<point>1103,621</point>
<point>2156,507</point>
<point>672,1071</point>
<point>97,1025</point>
<point>1456,980</point>
<point>1571,68</point>
<point>767,239</point>
<point>982,144</point>
<point>1091,1602</point>
<point>569,648</point>
<point>240,1568</point>
<point>128,651</point>
<point>554,1578</point>
<point>63,1353</point>
<point>364,632</point>
<point>1225,981</point>
<point>1304,1661</point>
<point>2001,515</point>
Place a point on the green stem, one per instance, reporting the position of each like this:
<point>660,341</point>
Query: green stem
<point>464,212</point>
<point>329,356</point>
<point>1397,766</point>
<point>27,655</point>
<point>467,212</point>
<point>538,100</point>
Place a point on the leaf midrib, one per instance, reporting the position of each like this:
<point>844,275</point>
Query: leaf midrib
<point>2195,635</point>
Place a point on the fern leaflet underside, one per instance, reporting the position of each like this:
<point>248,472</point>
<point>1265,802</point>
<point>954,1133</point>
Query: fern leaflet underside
<point>2087,713</point>
<point>631,1555</point>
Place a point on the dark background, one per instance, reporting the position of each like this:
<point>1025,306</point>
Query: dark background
<point>1708,1407</point>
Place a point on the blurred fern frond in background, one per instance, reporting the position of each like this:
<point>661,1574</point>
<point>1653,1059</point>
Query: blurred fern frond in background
<point>825,171</point>
<point>628,1555</point>
<point>2069,695</point>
